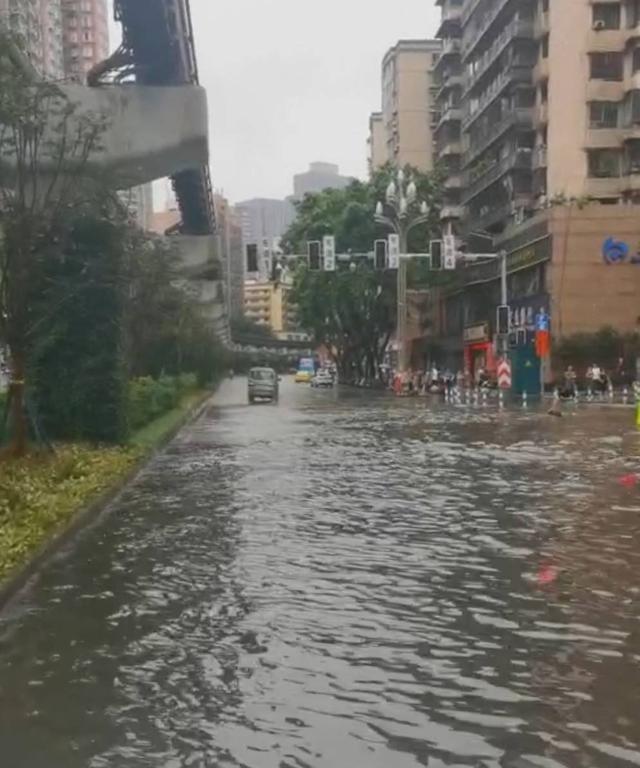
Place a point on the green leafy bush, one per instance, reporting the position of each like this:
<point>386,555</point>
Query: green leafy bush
<point>150,398</point>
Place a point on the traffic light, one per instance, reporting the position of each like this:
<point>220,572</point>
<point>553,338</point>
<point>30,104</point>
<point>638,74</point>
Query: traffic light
<point>314,251</point>
<point>380,255</point>
<point>503,320</point>
<point>252,257</point>
<point>435,248</point>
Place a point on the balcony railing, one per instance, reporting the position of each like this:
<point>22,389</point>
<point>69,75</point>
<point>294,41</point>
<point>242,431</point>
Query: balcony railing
<point>518,117</point>
<point>540,157</point>
<point>514,30</point>
<point>449,115</point>
<point>515,73</point>
<point>470,44</point>
<point>514,161</point>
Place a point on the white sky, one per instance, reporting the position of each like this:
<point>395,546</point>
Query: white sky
<point>293,81</point>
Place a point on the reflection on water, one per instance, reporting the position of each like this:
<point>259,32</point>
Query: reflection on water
<point>344,582</point>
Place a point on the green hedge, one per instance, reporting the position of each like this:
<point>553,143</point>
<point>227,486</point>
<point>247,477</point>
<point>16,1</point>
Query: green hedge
<point>150,398</point>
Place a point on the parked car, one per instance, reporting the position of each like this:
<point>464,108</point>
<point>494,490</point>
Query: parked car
<point>263,385</point>
<point>323,378</point>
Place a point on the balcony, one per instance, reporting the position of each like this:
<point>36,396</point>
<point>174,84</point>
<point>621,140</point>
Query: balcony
<point>450,47</point>
<point>632,82</point>
<point>449,83</point>
<point>513,31</point>
<point>450,20</point>
<point>451,147</point>
<point>541,71</point>
<point>604,187</point>
<point>515,161</point>
<point>498,217</point>
<point>471,44</point>
<point>539,159</point>
<point>516,73</point>
<point>541,114</point>
<point>603,138</point>
<point>541,26</point>
<point>605,40</point>
<point>518,118</point>
<point>449,212</point>
<point>453,182</point>
<point>631,182</point>
<point>604,90</point>
<point>449,115</point>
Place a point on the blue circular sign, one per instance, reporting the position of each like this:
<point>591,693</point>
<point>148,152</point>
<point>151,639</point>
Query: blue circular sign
<point>614,251</point>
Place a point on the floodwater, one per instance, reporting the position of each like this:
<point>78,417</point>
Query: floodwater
<point>344,581</point>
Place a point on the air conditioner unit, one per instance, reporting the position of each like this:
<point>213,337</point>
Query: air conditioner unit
<point>599,25</point>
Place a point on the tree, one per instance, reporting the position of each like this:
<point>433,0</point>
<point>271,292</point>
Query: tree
<point>348,214</point>
<point>247,331</point>
<point>354,312</point>
<point>45,145</point>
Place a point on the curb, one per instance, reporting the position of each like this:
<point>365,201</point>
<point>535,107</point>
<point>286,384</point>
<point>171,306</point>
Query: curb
<point>91,513</point>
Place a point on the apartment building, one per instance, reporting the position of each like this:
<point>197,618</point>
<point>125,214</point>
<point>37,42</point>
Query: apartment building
<point>37,25</point>
<point>86,36</point>
<point>539,136</point>
<point>448,96</point>
<point>229,230</point>
<point>319,177</point>
<point>269,304</point>
<point>409,104</point>
<point>376,143</point>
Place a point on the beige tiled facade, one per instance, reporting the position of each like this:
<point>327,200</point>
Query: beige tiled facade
<point>408,103</point>
<point>86,36</point>
<point>376,143</point>
<point>539,102</point>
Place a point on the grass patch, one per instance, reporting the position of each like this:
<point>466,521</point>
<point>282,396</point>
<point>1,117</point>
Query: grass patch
<point>40,495</point>
<point>148,437</point>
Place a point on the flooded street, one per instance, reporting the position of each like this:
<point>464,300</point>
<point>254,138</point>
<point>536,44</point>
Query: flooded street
<point>344,581</point>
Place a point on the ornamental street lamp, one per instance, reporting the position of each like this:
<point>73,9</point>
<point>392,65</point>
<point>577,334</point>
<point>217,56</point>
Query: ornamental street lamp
<point>401,212</point>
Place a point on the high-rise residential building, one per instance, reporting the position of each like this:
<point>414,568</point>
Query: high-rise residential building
<point>270,304</point>
<point>264,219</point>
<point>231,248</point>
<point>52,39</point>
<point>376,143</point>
<point>319,177</point>
<point>86,36</point>
<point>540,141</point>
<point>37,27</point>
<point>139,202</point>
<point>408,102</point>
<point>450,85</point>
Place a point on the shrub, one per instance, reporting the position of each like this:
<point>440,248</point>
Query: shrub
<point>149,398</point>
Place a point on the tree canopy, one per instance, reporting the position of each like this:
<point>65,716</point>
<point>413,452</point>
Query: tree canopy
<point>348,214</point>
<point>353,310</point>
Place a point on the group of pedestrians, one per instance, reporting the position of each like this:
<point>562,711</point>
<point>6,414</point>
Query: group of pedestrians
<point>597,381</point>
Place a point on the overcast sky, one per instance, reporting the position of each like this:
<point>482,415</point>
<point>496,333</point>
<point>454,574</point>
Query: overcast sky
<point>293,81</point>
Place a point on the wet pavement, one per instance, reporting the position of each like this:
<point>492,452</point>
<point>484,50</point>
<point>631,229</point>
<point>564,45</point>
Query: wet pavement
<point>344,581</point>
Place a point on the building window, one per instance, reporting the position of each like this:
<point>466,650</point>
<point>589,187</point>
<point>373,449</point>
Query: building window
<point>603,114</point>
<point>606,16</point>
<point>604,163</point>
<point>633,13</point>
<point>635,61</point>
<point>606,66</point>
<point>633,157</point>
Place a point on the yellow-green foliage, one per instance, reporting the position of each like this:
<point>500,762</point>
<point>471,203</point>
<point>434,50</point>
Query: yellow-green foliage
<point>39,495</point>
